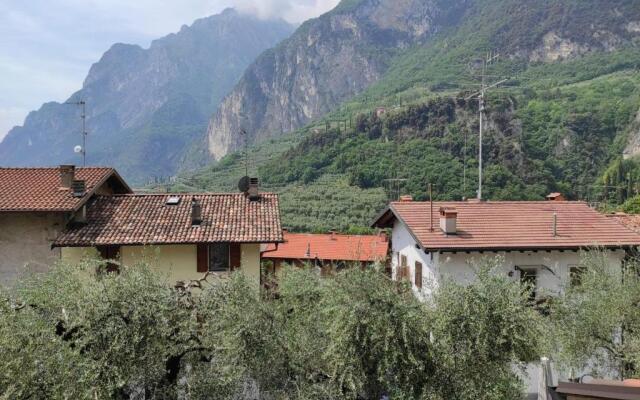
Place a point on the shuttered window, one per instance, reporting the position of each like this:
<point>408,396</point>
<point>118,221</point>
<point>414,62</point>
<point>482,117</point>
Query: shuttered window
<point>418,275</point>
<point>219,257</point>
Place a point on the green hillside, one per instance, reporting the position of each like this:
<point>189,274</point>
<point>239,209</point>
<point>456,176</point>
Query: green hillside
<point>553,126</point>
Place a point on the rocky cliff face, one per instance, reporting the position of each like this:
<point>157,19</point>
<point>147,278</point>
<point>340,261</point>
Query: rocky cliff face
<point>327,60</point>
<point>340,54</point>
<point>147,107</point>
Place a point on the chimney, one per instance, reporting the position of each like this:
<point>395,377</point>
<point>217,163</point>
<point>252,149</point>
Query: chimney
<point>448,220</point>
<point>254,193</point>
<point>555,197</point>
<point>333,235</point>
<point>67,174</point>
<point>406,198</point>
<point>78,187</point>
<point>196,212</point>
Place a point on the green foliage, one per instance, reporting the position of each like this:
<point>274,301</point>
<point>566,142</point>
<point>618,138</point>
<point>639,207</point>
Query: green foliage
<point>597,319</point>
<point>482,333</point>
<point>632,205</point>
<point>358,335</point>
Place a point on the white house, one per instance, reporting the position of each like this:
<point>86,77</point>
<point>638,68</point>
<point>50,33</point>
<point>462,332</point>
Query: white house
<point>539,241</point>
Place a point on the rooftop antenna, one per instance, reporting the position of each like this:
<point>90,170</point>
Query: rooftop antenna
<point>430,207</point>
<point>246,151</point>
<point>480,95</point>
<point>82,149</point>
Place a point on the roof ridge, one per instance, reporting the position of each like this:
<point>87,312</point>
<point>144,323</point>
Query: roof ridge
<point>180,194</point>
<point>46,168</point>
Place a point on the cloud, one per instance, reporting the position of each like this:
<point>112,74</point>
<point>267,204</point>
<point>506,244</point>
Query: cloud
<point>290,10</point>
<point>48,46</point>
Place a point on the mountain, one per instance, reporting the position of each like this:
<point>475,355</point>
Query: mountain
<point>332,58</point>
<point>147,109</point>
<point>560,122</point>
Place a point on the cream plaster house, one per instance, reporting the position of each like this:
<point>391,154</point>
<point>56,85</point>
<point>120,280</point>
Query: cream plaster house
<point>184,236</point>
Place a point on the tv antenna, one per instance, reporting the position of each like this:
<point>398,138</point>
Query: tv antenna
<point>83,148</point>
<point>480,95</point>
<point>246,151</point>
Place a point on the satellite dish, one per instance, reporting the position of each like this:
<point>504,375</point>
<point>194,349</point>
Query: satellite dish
<point>77,149</point>
<point>243,184</point>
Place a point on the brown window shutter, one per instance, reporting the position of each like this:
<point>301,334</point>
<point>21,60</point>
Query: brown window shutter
<point>418,276</point>
<point>234,255</point>
<point>203,258</point>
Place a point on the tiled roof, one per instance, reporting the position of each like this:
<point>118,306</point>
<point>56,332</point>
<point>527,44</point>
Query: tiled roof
<point>306,246</point>
<point>510,225</point>
<point>631,221</point>
<point>147,219</point>
<point>38,189</point>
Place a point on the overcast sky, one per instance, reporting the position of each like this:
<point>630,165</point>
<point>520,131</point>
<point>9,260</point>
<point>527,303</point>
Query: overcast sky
<point>47,46</point>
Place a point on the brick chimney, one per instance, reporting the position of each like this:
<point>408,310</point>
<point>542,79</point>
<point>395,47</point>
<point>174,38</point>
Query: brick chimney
<point>406,198</point>
<point>78,187</point>
<point>196,212</point>
<point>556,197</point>
<point>254,192</point>
<point>448,220</point>
<point>67,175</point>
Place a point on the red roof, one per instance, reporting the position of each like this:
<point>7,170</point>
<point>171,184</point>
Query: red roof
<point>142,219</point>
<point>308,246</point>
<point>631,221</point>
<point>38,189</point>
<point>510,225</point>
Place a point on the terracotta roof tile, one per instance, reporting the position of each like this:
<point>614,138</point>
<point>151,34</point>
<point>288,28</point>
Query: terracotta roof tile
<point>147,219</point>
<point>631,221</point>
<point>38,189</point>
<point>511,225</point>
<point>301,246</point>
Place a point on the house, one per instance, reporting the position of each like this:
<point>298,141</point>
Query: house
<point>539,240</point>
<point>35,206</point>
<point>331,251</point>
<point>183,235</point>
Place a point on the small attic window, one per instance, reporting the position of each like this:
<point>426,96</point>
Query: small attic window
<point>173,201</point>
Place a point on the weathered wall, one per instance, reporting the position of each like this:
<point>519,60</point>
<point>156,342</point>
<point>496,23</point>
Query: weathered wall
<point>25,243</point>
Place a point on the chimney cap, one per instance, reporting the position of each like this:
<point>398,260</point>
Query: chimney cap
<point>448,211</point>
<point>556,196</point>
<point>406,197</point>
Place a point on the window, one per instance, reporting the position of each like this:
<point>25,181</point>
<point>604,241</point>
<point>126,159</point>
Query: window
<point>575,275</point>
<point>403,269</point>
<point>219,257</point>
<point>529,278</point>
<point>110,254</point>
<point>418,275</point>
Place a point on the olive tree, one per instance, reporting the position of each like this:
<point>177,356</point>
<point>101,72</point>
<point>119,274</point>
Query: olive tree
<point>597,319</point>
<point>482,330</point>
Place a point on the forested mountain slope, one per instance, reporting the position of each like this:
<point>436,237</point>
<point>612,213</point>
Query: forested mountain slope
<point>567,112</point>
<point>147,108</point>
<point>395,44</point>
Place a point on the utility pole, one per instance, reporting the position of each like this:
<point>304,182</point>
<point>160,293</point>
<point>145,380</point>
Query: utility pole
<point>83,116</point>
<point>480,95</point>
